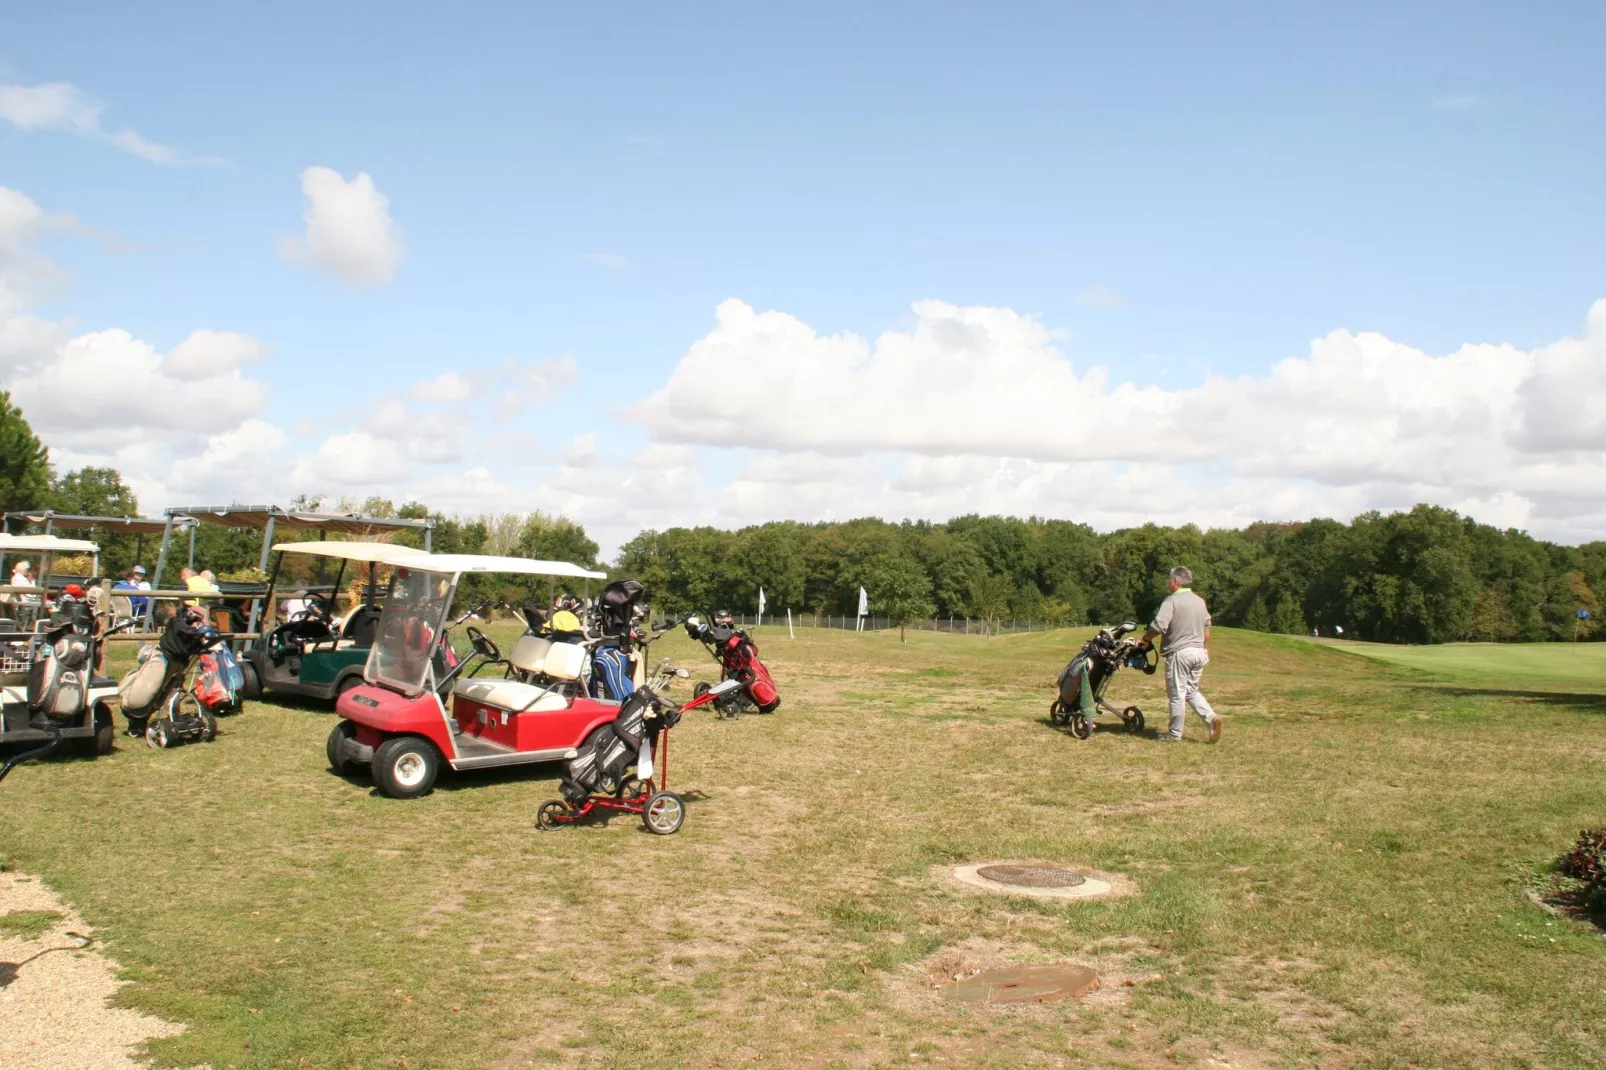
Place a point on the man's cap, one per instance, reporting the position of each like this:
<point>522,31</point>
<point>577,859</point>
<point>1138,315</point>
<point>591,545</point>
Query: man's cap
<point>22,565</point>
<point>76,590</point>
<point>140,569</point>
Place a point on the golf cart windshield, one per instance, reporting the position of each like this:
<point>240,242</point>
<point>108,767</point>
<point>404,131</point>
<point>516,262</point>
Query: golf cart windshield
<point>409,628</point>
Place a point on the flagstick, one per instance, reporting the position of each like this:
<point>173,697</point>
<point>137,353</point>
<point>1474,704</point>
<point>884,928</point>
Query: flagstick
<point>790,634</point>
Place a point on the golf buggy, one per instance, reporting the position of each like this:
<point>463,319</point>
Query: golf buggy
<point>1082,683</point>
<point>48,688</point>
<point>420,707</point>
<point>309,650</point>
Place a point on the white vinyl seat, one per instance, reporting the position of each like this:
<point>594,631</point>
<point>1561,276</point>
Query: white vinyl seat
<point>511,695</point>
<point>529,653</point>
<point>565,661</point>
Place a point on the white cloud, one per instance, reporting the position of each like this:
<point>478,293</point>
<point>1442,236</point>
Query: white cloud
<point>231,460</point>
<point>353,459</point>
<point>445,387</point>
<point>349,231</point>
<point>981,411</point>
<point>1100,296</point>
<point>518,386</point>
<point>607,260</point>
<point>25,275</point>
<point>206,354</point>
<point>62,106</point>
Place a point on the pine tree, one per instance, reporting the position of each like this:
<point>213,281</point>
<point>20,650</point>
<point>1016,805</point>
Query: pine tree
<point>1288,618</point>
<point>1258,619</point>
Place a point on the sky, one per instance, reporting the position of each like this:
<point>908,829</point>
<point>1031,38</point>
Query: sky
<point>711,263</point>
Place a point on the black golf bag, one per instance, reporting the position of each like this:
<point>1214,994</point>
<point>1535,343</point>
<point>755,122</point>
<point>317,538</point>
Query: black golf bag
<point>1091,669</point>
<point>146,685</point>
<point>616,609</point>
<point>609,752</point>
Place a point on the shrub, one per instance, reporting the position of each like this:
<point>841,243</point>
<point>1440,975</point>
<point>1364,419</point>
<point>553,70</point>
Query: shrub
<point>1586,862</point>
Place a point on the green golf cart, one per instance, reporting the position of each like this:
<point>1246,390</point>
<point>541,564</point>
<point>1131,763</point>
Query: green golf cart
<point>304,647</point>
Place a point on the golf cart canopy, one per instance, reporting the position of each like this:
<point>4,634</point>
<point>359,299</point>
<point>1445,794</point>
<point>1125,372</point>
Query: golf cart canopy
<point>381,553</point>
<point>483,563</point>
<point>46,544</point>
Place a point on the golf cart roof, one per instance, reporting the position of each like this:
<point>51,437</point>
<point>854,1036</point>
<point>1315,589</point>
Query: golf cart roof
<point>523,566</point>
<point>376,552</point>
<point>47,544</point>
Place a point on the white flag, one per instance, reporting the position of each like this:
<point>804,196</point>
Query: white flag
<point>864,603</point>
<point>761,603</point>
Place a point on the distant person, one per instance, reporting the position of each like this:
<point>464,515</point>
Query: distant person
<point>1183,623</point>
<point>22,576</point>
<point>296,606</point>
<point>143,584</point>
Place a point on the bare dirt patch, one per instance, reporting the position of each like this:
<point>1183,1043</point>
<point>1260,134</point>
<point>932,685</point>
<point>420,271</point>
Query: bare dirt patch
<point>57,1010</point>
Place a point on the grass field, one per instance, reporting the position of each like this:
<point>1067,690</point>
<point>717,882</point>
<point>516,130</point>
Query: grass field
<point>1338,883</point>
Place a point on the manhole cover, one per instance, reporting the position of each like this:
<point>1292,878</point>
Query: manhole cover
<point>1026,984</point>
<point>1032,876</point>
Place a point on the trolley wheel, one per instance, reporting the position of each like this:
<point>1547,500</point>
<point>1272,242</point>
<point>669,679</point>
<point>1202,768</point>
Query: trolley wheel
<point>160,733</point>
<point>1081,727</point>
<point>138,725</point>
<point>628,788</point>
<point>1056,712</point>
<point>550,815</point>
<point>664,813</point>
<point>701,689</point>
<point>1133,718</point>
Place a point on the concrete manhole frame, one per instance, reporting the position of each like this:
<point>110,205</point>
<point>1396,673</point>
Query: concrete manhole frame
<point>1093,884</point>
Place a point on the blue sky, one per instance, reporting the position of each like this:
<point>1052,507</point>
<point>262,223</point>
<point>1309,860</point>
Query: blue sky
<point>1176,194</point>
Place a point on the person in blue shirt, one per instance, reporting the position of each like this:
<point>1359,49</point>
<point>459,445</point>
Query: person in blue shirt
<point>134,580</point>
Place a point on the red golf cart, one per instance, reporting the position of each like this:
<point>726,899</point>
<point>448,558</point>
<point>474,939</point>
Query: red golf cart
<point>419,707</point>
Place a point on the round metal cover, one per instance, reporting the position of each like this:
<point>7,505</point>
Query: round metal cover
<point>1026,984</point>
<point>1032,876</point>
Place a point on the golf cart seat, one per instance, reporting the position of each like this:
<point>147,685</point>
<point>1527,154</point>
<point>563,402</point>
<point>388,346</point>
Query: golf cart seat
<point>362,625</point>
<point>529,653</point>
<point>564,661</point>
<point>511,695</point>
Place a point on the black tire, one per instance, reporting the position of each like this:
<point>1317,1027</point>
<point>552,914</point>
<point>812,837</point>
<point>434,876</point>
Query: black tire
<point>251,683</point>
<point>1056,713</point>
<point>105,732</point>
<point>208,727</point>
<point>338,764</point>
<point>664,813</point>
<point>346,683</point>
<point>701,689</point>
<point>1134,718</point>
<point>405,767</point>
<point>137,726</point>
<point>547,817</point>
<point>1081,726</point>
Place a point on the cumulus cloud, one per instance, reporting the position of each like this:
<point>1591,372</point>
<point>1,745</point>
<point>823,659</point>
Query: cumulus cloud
<point>25,274</point>
<point>349,231</point>
<point>205,354</point>
<point>63,106</point>
<point>975,408</point>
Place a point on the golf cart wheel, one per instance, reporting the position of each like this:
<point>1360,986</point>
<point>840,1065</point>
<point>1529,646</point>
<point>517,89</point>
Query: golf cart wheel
<point>664,813</point>
<point>101,742</point>
<point>551,815</point>
<point>1134,718</point>
<point>1081,727</point>
<point>339,764</point>
<point>160,733</point>
<point>251,683</point>
<point>405,767</point>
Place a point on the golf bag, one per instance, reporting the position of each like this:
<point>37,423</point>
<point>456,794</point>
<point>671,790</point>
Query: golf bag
<point>146,684</point>
<point>58,679</point>
<point>218,684</point>
<point>1083,680</point>
<point>617,612</point>
<point>608,753</point>
<point>616,609</point>
<point>738,658</point>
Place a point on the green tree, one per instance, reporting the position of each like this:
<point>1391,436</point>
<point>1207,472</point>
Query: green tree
<point>900,590</point>
<point>100,492</point>
<point>1287,619</point>
<point>24,461</point>
<point>1258,618</point>
<point>989,598</point>
<point>556,538</point>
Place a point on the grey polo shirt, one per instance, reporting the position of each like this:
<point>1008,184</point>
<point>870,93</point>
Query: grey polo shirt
<point>1182,620</point>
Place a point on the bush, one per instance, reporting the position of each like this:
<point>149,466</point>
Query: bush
<point>1586,862</point>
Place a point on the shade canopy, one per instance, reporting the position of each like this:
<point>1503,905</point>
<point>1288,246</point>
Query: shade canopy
<point>482,563</point>
<point>376,552</point>
<point>114,525</point>
<point>257,516</point>
<point>42,544</point>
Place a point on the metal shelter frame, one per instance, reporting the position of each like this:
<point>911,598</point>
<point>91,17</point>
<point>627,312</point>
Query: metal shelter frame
<point>269,518</point>
<point>140,526</point>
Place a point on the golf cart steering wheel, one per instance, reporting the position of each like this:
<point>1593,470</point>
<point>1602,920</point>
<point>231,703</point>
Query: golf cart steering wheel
<point>483,644</point>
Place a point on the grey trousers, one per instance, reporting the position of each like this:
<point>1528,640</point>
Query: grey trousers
<point>1182,672</point>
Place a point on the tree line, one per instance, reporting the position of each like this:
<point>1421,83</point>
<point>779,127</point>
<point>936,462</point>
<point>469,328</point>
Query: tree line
<point>1426,575</point>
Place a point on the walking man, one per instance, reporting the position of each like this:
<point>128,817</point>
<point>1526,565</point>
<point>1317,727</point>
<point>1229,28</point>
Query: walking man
<point>1183,621</point>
